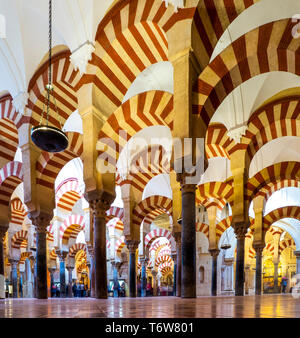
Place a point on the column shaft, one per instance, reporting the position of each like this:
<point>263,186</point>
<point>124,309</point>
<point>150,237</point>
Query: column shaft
<point>143,281</point>
<point>178,272</point>
<point>258,271</point>
<point>41,265</point>
<point>14,278</point>
<point>92,278</point>
<point>2,278</point>
<point>188,243</point>
<point>100,258</point>
<point>214,271</point>
<point>116,283</point>
<point>132,274</point>
<point>276,277</point>
<point>70,291</point>
<point>62,278</point>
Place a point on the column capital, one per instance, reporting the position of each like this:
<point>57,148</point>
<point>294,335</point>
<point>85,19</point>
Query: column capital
<point>185,187</point>
<point>13,262</point>
<point>240,229</point>
<point>144,261</point>
<point>297,254</point>
<point>100,202</point>
<point>174,256</point>
<point>132,245</point>
<point>41,222</point>
<point>214,252</point>
<point>154,273</point>
<point>62,255</point>
<point>177,237</point>
<point>258,247</point>
<point>51,270</point>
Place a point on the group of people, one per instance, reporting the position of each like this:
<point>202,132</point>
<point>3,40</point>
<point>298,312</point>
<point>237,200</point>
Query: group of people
<point>78,290</point>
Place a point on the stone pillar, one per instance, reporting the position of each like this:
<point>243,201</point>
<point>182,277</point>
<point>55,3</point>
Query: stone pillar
<point>177,237</point>
<point>174,257</point>
<point>297,254</point>
<point>154,275</point>
<point>3,231</point>
<point>51,271</point>
<point>188,241</point>
<point>247,277</point>
<point>33,275</point>
<point>70,291</point>
<point>144,263</point>
<point>229,274</point>
<point>62,272</point>
<point>258,270</point>
<point>14,276</point>
<point>99,207</point>
<point>132,247</point>
<point>214,271</point>
<point>276,288</point>
<point>41,222</point>
<point>116,280</point>
<point>92,277</point>
<point>240,231</point>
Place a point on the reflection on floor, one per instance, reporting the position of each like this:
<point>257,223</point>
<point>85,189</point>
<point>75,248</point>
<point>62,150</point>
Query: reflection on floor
<point>266,306</point>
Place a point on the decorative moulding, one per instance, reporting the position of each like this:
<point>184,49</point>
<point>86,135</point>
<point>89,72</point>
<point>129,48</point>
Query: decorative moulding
<point>81,56</point>
<point>20,101</point>
<point>176,3</point>
<point>237,133</point>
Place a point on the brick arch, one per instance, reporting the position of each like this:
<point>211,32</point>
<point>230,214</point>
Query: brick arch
<point>76,248</point>
<point>153,215</point>
<point>162,259</point>
<point>130,38</point>
<point>120,245</point>
<point>71,227</point>
<point>288,243</point>
<point>220,191</point>
<point>64,79</point>
<point>156,246</point>
<point>24,256</point>
<point>148,163</point>
<point>149,205</point>
<point>274,177</point>
<point>280,213</point>
<point>53,255</point>
<point>218,144</point>
<point>18,212</point>
<point>19,239</point>
<point>114,212</point>
<point>68,194</point>
<point>10,121</point>
<point>166,265</point>
<point>153,108</point>
<point>11,175</point>
<point>49,165</point>
<point>157,233</point>
<point>210,21</point>
<point>241,61</point>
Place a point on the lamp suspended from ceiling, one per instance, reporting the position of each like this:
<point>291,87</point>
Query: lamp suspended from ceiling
<point>226,244</point>
<point>44,136</point>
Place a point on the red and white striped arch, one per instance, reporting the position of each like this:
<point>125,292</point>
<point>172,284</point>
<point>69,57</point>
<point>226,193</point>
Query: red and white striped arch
<point>149,205</point>
<point>157,233</point>
<point>68,194</point>
<point>11,175</point>
<point>64,79</point>
<point>24,256</point>
<point>76,248</point>
<point>288,243</point>
<point>217,192</point>
<point>162,259</point>
<point>119,245</point>
<point>71,227</point>
<point>53,255</point>
<point>130,38</point>
<point>114,212</point>
<point>271,178</point>
<point>152,108</point>
<point>280,213</point>
<point>18,212</point>
<point>243,60</point>
<point>19,239</point>
<point>49,165</point>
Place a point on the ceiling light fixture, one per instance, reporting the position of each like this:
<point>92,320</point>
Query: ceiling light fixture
<point>44,136</point>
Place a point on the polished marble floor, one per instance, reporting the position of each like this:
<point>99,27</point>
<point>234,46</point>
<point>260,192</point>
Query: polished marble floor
<point>266,306</point>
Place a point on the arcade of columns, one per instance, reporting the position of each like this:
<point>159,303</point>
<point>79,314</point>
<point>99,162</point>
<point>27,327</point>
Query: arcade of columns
<point>149,32</point>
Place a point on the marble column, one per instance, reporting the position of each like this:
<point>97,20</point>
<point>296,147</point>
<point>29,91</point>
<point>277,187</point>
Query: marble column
<point>132,247</point>
<point>116,280</point>
<point>99,207</point>
<point>92,277</point>
<point>188,241</point>
<point>240,232</point>
<point>70,291</point>
<point>144,262</point>
<point>62,272</point>
<point>247,278</point>
<point>14,276</point>
<point>3,231</point>
<point>229,274</point>
<point>276,288</point>
<point>177,237</point>
<point>154,275</point>
<point>214,271</point>
<point>41,222</point>
<point>258,270</point>
<point>51,271</point>
<point>297,254</point>
<point>174,257</point>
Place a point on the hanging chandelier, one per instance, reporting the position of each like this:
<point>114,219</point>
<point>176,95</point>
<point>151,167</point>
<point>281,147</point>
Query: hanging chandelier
<point>44,136</point>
